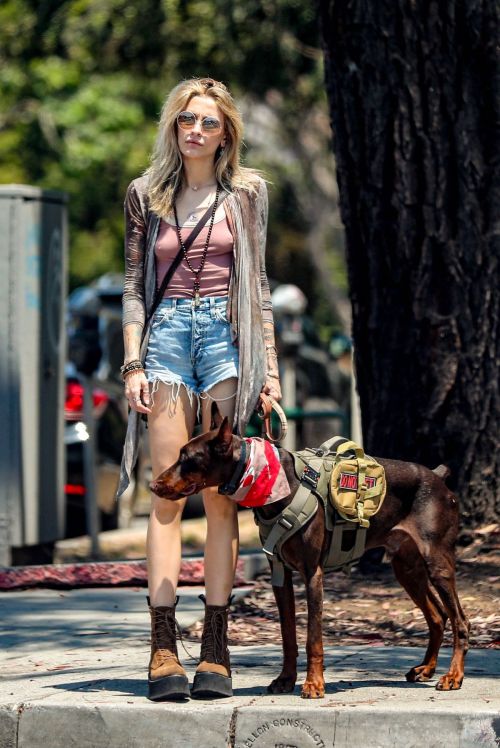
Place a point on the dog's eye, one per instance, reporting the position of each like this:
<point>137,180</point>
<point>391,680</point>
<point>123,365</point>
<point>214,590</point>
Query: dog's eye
<point>188,466</point>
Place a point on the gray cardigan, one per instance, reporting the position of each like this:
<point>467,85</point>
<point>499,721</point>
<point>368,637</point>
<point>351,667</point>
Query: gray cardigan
<point>249,301</point>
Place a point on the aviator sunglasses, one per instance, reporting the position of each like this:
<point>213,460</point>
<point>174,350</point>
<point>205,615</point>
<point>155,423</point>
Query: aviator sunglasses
<point>187,120</point>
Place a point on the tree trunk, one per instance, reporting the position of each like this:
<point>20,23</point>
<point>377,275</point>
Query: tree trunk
<point>412,103</point>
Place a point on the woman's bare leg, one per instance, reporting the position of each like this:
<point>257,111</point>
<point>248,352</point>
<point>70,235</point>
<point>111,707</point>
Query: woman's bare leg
<point>222,544</point>
<point>168,432</point>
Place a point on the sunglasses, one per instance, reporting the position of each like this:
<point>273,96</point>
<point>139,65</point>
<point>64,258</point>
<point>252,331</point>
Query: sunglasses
<point>187,120</point>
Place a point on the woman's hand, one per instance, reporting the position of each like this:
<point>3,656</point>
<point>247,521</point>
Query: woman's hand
<point>272,387</point>
<point>137,391</point>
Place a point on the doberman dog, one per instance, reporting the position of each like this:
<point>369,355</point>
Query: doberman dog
<point>417,524</point>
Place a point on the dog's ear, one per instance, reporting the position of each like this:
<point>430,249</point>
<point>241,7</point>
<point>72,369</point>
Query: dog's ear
<point>224,439</point>
<point>216,416</point>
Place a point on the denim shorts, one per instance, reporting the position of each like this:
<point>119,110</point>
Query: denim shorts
<point>191,345</point>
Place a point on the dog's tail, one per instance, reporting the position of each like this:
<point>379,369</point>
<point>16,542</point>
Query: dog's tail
<point>442,471</point>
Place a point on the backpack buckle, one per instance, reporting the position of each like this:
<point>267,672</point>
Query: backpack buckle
<point>285,523</point>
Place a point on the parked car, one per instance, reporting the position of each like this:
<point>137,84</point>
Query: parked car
<point>95,353</point>
<point>110,425</point>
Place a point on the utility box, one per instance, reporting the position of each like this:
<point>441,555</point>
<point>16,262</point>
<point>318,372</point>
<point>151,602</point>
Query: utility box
<point>33,252</point>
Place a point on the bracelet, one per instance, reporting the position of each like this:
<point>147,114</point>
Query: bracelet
<point>131,371</point>
<point>135,365</point>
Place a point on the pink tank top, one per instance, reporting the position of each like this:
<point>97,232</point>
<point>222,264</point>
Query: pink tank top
<point>214,279</point>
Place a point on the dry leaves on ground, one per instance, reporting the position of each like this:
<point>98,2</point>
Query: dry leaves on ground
<point>375,609</point>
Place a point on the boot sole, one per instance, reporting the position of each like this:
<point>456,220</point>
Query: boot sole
<point>171,687</point>
<point>211,686</point>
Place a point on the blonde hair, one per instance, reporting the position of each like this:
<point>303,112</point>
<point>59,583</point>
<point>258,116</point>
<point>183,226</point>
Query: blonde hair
<point>166,172</point>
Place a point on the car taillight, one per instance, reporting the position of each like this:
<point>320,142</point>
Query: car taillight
<point>73,406</point>
<point>74,489</point>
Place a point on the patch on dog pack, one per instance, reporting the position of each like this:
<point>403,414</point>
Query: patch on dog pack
<point>310,475</point>
<point>349,481</point>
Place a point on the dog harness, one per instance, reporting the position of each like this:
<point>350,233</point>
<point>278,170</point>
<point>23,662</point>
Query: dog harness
<point>313,467</point>
<point>259,477</point>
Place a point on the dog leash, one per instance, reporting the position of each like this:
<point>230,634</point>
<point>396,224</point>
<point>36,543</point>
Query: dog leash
<point>264,410</point>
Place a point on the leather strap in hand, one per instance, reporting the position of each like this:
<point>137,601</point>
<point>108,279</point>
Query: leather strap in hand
<point>264,410</point>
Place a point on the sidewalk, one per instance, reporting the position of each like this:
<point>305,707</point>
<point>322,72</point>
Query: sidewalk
<point>74,667</point>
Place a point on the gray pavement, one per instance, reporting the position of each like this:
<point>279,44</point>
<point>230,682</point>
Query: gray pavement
<point>73,674</point>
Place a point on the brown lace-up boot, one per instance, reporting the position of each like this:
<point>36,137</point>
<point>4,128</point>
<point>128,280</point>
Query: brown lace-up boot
<point>213,674</point>
<point>166,677</point>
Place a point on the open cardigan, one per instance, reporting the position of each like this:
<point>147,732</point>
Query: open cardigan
<point>249,299</point>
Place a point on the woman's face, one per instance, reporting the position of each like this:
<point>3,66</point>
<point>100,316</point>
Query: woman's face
<point>197,141</point>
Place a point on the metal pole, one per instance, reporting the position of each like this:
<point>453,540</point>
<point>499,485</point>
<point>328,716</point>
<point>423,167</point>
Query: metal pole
<point>289,393</point>
<point>356,430</point>
<point>91,510</point>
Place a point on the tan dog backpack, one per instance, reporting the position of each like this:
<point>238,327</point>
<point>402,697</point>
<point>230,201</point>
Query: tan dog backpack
<point>357,484</point>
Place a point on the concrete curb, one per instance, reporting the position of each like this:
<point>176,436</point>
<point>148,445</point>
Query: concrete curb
<point>184,726</point>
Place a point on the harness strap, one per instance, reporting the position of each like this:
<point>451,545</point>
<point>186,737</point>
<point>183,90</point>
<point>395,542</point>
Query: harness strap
<point>332,445</point>
<point>302,508</point>
<point>350,447</point>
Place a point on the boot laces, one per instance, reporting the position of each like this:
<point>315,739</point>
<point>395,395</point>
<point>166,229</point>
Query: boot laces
<point>163,634</point>
<point>214,645</point>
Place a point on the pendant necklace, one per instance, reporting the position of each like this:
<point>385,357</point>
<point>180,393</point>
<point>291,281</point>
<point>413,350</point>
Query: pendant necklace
<point>197,187</point>
<point>197,272</point>
<point>194,215</point>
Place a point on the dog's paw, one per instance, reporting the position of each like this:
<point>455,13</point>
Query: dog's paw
<point>282,685</point>
<point>313,690</point>
<point>420,674</point>
<point>449,682</point>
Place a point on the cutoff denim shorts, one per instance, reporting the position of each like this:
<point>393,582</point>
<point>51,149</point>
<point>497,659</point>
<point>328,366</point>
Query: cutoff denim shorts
<point>191,345</point>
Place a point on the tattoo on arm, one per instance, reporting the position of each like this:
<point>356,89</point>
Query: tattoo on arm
<point>132,334</point>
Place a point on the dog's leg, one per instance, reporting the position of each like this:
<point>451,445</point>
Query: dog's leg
<point>411,573</point>
<point>441,566</point>
<point>285,601</point>
<point>314,686</point>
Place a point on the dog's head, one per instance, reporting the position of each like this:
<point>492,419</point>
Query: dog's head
<point>204,461</point>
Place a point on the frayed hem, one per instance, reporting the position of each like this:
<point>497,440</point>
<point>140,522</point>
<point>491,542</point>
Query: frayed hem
<point>173,394</point>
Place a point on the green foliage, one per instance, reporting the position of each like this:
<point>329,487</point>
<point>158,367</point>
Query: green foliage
<point>83,82</point>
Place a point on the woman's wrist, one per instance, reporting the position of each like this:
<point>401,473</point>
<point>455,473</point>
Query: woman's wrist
<point>130,357</point>
<point>131,366</point>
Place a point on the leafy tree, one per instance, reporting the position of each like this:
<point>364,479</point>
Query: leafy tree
<point>83,82</point>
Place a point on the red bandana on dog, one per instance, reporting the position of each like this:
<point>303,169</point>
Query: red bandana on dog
<point>264,479</point>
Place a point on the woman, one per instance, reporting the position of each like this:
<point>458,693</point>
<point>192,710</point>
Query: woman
<point>210,338</point>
